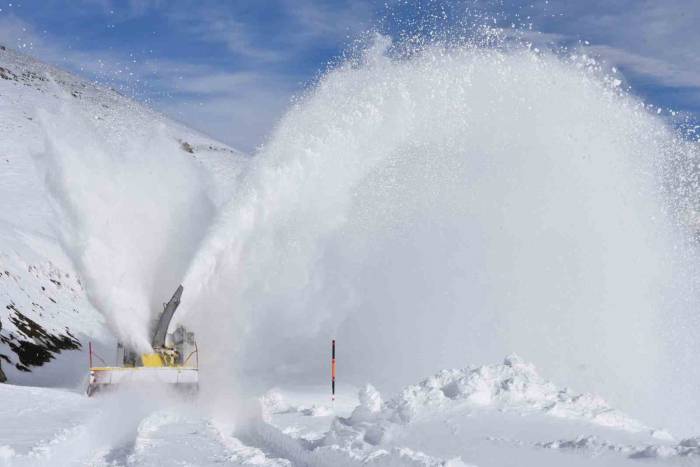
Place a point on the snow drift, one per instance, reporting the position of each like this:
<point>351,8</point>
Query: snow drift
<point>483,414</point>
<point>447,202</point>
<point>513,386</point>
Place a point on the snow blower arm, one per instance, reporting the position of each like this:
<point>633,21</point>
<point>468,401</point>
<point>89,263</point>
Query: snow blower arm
<point>169,364</point>
<point>164,320</point>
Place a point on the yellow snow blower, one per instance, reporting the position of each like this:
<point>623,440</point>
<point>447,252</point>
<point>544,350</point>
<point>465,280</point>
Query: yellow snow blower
<point>174,360</point>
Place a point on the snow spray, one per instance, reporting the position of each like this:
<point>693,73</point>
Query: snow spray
<point>450,204</point>
<point>131,208</point>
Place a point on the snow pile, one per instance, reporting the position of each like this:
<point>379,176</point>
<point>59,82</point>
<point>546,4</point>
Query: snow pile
<point>370,404</point>
<point>589,443</point>
<point>274,402</point>
<point>689,447</point>
<point>511,386</point>
<point>409,458</point>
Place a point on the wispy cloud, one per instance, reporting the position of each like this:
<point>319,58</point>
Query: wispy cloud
<point>229,68</point>
<point>655,43</point>
<point>220,26</point>
<point>326,20</point>
<point>273,32</point>
<point>232,68</point>
<point>238,105</point>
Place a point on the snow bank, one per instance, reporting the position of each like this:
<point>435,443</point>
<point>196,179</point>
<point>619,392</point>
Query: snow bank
<point>274,402</point>
<point>511,386</point>
<point>689,447</point>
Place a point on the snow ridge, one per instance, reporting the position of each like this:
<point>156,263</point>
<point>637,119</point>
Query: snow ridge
<point>689,447</point>
<point>512,385</point>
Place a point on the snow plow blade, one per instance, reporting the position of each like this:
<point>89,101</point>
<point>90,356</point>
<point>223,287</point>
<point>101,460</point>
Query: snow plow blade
<point>186,379</point>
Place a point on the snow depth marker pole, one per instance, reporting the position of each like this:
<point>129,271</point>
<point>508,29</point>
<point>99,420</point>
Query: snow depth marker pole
<point>333,371</point>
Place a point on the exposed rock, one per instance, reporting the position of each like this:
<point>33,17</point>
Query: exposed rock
<point>187,147</point>
<point>3,378</point>
<point>34,345</point>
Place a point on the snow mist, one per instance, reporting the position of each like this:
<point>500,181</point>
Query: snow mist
<point>132,208</point>
<point>451,205</point>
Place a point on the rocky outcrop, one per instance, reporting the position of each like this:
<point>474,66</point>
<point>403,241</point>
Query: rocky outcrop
<point>33,344</point>
<point>3,378</point>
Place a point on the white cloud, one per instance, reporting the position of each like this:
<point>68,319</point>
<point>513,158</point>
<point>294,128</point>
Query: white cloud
<point>674,74</point>
<point>239,108</point>
<point>318,20</point>
<point>237,98</point>
<point>301,24</point>
<point>215,83</point>
<point>22,36</point>
<point>658,40</point>
<point>217,27</point>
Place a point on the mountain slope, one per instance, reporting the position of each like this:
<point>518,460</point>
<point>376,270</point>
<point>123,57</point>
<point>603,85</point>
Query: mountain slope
<point>46,316</point>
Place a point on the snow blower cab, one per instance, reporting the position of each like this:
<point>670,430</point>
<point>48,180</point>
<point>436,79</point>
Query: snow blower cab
<point>174,360</point>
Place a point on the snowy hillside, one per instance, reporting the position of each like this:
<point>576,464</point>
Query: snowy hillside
<point>45,315</point>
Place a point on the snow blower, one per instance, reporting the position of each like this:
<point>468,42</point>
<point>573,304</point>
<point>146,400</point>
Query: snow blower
<point>174,360</point>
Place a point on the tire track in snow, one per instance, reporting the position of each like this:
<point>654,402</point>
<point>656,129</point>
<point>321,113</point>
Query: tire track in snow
<point>281,449</point>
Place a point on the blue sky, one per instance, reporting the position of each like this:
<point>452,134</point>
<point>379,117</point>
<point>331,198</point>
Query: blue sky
<point>229,68</point>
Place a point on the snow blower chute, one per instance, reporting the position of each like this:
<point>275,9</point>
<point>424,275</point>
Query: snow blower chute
<point>174,360</point>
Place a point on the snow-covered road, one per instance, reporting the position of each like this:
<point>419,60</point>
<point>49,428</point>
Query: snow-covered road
<point>494,415</point>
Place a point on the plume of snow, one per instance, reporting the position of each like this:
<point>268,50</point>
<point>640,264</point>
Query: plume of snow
<point>455,201</point>
<point>131,209</point>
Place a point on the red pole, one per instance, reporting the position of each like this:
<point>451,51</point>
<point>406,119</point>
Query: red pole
<point>90,353</point>
<point>196,354</point>
<point>333,370</point>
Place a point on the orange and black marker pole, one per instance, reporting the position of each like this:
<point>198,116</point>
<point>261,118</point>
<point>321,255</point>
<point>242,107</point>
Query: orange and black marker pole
<point>333,370</point>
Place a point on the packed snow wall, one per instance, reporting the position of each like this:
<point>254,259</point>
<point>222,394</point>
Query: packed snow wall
<point>449,204</point>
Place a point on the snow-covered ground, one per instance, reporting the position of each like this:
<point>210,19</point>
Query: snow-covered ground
<point>495,415</point>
